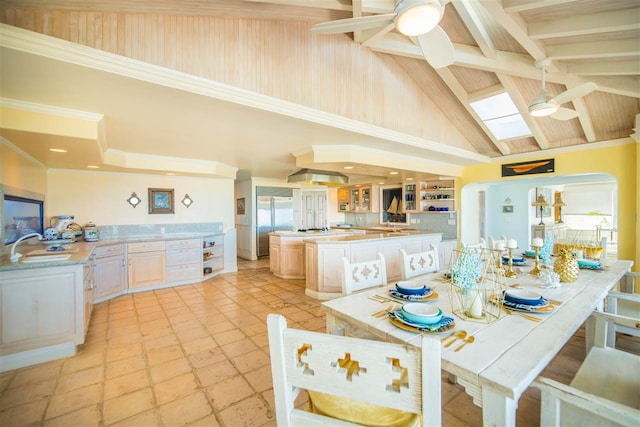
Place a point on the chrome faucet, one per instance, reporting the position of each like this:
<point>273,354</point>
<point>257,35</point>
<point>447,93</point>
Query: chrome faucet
<point>15,256</point>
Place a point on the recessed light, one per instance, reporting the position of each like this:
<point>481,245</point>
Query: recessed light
<point>348,167</point>
<point>57,150</point>
<point>409,179</point>
<point>170,173</point>
<point>381,183</point>
<point>393,173</point>
<point>93,167</point>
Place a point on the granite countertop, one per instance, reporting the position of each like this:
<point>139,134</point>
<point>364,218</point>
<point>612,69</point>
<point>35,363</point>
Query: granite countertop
<point>372,236</point>
<point>318,233</point>
<point>81,251</point>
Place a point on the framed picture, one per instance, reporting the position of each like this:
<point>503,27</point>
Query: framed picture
<point>161,201</point>
<point>240,206</point>
<point>507,208</point>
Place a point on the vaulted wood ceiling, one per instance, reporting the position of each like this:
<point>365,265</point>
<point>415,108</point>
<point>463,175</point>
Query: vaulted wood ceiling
<point>496,43</point>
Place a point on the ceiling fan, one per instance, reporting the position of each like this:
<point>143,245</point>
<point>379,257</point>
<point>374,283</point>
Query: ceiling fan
<point>545,104</point>
<point>413,18</point>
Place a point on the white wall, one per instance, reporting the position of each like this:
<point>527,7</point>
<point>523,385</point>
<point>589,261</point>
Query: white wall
<point>101,197</point>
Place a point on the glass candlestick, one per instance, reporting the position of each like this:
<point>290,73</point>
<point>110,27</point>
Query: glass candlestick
<point>536,270</point>
<point>510,272</point>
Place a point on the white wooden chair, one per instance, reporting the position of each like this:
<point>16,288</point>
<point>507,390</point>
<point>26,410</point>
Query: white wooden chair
<point>350,380</point>
<point>357,276</point>
<point>492,242</point>
<point>482,244</point>
<point>605,390</point>
<point>419,263</point>
<point>624,302</point>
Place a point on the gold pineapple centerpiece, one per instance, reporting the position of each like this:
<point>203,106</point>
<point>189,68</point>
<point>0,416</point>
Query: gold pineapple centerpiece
<point>566,265</point>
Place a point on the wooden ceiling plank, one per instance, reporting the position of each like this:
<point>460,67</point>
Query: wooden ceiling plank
<point>596,49</point>
<point>476,27</point>
<point>595,23</point>
<point>450,80</point>
<point>522,106</point>
<point>514,6</point>
<point>585,118</point>
<point>321,4</point>
<point>608,68</point>
<point>518,28</point>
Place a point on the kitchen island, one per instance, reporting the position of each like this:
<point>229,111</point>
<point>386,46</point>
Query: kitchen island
<point>286,250</point>
<point>323,256</point>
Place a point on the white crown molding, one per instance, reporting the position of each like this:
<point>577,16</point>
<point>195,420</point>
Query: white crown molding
<point>21,152</point>
<point>62,50</point>
<point>33,107</point>
<point>569,149</point>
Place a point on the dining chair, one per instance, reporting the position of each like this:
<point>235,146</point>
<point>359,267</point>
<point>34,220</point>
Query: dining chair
<point>357,276</point>
<point>419,263</point>
<point>482,244</point>
<point>604,391</point>
<point>351,380</point>
<point>624,302</point>
<point>492,242</point>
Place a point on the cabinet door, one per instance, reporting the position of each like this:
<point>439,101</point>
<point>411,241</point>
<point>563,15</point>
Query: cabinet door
<point>146,269</point>
<point>321,210</point>
<point>355,200</point>
<point>110,277</point>
<point>38,311</point>
<point>293,260</point>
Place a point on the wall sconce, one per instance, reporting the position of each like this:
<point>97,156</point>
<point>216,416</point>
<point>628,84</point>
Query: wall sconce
<point>134,200</point>
<point>187,201</point>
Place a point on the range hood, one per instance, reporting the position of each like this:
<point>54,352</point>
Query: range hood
<point>314,176</point>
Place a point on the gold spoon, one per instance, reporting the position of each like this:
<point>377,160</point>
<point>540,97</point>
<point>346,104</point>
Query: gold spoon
<point>459,334</point>
<point>467,341</point>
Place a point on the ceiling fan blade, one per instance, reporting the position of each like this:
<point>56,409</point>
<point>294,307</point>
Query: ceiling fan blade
<point>564,114</point>
<point>353,24</point>
<point>437,48</point>
<point>576,92</point>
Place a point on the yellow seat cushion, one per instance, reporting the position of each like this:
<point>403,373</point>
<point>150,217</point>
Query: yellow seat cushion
<point>358,412</point>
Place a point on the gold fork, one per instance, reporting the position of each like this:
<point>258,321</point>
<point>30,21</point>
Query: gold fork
<point>383,313</point>
<point>526,316</point>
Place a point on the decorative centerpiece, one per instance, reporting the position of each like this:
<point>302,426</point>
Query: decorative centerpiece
<point>476,285</point>
<point>566,265</point>
<point>536,244</point>
<point>547,249</point>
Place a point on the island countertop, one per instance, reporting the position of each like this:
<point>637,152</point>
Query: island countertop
<point>372,236</point>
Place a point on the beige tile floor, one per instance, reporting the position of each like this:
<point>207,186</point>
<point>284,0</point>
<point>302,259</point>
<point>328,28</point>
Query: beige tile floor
<point>196,355</point>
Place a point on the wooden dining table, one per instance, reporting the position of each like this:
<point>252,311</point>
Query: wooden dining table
<point>506,355</point>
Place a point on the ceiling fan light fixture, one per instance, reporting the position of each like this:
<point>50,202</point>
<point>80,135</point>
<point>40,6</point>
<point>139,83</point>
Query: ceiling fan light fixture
<point>543,105</point>
<point>416,17</point>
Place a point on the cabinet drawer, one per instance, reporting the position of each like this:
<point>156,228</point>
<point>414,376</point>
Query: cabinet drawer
<point>184,244</point>
<point>146,246</point>
<point>183,256</point>
<point>111,250</point>
<point>183,272</point>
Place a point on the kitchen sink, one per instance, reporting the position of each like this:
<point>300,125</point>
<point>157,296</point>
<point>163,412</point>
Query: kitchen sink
<point>46,258</point>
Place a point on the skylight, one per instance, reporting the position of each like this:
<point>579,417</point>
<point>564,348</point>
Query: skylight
<point>501,117</point>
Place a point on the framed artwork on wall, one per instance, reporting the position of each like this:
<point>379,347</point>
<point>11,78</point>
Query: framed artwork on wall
<point>161,201</point>
<point>240,206</point>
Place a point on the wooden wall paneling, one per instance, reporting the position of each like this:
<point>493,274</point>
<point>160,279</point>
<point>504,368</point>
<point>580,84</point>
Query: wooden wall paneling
<point>276,58</point>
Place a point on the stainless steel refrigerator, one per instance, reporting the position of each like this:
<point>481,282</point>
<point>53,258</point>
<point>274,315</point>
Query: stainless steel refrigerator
<point>273,213</point>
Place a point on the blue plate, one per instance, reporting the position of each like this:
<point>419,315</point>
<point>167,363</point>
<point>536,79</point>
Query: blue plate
<point>524,297</point>
<point>411,288</point>
<point>442,326</point>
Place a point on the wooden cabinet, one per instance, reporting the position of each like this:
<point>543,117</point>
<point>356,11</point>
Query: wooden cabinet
<point>146,264</point>
<point>436,196</point>
<point>344,199</point>
<point>184,260</point>
<point>89,291</point>
<point>364,199</point>
<point>212,255</point>
<point>287,257</point>
<point>42,314</point>
<point>411,197</point>
<point>110,271</point>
